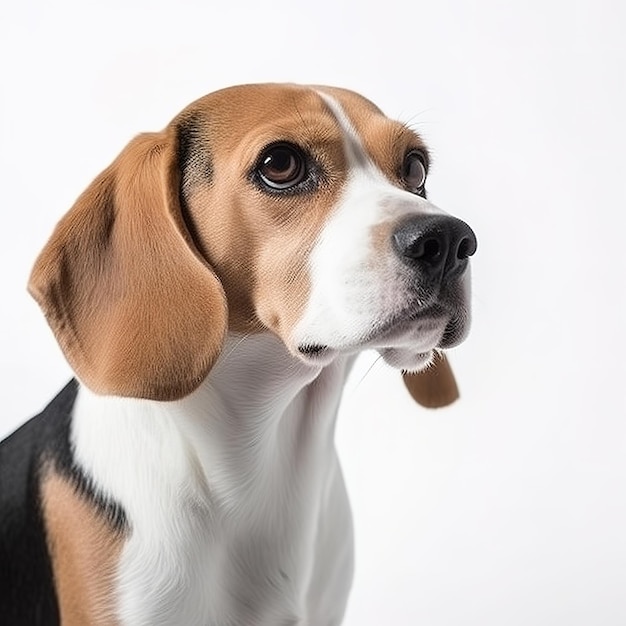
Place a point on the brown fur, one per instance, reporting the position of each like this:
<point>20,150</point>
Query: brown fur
<point>386,141</point>
<point>84,553</point>
<point>435,386</point>
<point>135,308</point>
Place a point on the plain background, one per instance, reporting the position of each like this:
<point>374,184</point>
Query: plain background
<point>509,507</point>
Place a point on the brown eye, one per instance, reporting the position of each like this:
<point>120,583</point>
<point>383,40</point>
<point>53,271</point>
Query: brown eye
<point>281,167</point>
<point>414,171</point>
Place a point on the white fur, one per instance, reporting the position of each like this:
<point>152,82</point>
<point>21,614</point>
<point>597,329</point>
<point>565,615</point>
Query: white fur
<point>234,495</point>
<point>353,285</point>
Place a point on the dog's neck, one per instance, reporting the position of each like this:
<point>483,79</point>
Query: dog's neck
<point>262,410</point>
<point>257,382</point>
<point>233,492</point>
<point>259,414</point>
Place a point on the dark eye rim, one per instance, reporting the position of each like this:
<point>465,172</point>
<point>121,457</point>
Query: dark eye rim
<point>301,174</point>
<point>423,159</point>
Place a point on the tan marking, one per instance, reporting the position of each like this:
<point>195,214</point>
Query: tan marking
<point>381,240</point>
<point>84,553</point>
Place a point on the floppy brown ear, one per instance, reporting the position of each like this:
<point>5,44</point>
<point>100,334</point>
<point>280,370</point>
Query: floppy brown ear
<point>133,305</point>
<point>435,386</point>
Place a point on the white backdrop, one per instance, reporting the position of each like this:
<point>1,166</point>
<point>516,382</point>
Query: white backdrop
<point>509,507</point>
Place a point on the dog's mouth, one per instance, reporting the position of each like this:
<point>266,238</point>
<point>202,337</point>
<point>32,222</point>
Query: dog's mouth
<point>405,340</point>
<point>312,350</point>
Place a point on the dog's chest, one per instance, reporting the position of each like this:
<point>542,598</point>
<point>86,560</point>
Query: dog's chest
<point>268,563</point>
<point>241,519</point>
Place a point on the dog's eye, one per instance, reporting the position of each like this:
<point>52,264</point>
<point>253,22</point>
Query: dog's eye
<point>282,166</point>
<point>414,171</point>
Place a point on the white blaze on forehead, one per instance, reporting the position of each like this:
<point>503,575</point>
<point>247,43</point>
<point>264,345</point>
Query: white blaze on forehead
<point>356,156</point>
<point>352,285</point>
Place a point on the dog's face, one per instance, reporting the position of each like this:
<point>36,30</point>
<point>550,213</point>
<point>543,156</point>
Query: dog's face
<point>315,223</point>
<point>299,210</point>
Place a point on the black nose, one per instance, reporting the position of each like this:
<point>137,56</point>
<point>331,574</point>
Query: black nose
<point>439,245</point>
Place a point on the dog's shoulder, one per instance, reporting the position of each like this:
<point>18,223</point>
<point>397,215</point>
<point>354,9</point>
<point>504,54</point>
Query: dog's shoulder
<point>23,550</point>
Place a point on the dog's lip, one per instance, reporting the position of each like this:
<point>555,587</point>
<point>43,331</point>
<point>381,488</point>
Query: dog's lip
<point>385,334</point>
<point>398,323</point>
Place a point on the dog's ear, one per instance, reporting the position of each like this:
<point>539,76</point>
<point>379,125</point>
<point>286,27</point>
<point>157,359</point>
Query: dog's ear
<point>135,308</point>
<point>435,386</point>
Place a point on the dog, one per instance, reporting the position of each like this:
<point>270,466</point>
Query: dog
<point>211,290</point>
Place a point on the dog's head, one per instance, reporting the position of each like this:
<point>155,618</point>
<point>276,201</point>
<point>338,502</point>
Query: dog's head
<point>296,210</point>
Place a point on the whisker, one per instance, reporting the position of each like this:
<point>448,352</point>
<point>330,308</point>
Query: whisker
<point>243,338</point>
<point>369,369</point>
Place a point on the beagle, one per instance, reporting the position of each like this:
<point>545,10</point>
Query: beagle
<point>211,289</point>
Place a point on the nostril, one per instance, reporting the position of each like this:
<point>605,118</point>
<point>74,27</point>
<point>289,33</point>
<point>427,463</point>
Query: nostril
<point>467,242</point>
<point>465,249</point>
<point>417,247</point>
<point>432,250</point>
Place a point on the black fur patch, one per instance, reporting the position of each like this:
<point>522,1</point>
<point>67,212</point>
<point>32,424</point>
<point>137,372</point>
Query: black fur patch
<point>27,593</point>
<point>194,158</point>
